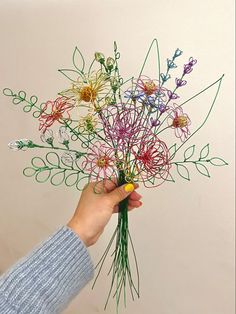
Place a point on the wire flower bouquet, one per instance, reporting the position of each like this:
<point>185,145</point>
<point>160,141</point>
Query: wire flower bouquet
<point>113,129</point>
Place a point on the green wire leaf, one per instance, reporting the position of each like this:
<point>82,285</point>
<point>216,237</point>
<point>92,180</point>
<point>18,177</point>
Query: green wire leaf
<point>58,178</point>
<point>53,159</point>
<point>29,172</point>
<point>72,179</point>
<point>43,175</point>
<point>170,178</point>
<point>202,169</point>
<point>183,171</point>
<point>216,161</point>
<point>8,92</point>
<point>151,180</point>
<point>204,152</point>
<point>189,152</point>
<point>72,75</point>
<point>172,150</point>
<point>78,60</point>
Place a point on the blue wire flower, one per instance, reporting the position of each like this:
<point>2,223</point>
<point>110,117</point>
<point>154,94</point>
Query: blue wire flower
<point>178,53</point>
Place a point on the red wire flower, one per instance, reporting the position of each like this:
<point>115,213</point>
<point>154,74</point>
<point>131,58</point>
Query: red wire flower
<point>152,159</point>
<point>100,161</point>
<point>58,111</point>
<point>179,121</point>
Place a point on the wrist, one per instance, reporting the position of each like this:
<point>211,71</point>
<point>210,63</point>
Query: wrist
<point>79,230</point>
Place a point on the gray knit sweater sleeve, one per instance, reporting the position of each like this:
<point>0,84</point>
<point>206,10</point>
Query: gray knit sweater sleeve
<point>47,279</point>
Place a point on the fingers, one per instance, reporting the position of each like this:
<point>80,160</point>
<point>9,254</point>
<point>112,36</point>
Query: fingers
<point>121,192</point>
<point>110,184</point>
<point>131,205</point>
<point>134,203</point>
<point>135,196</point>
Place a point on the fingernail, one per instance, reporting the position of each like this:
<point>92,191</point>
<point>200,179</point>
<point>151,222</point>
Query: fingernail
<point>129,187</point>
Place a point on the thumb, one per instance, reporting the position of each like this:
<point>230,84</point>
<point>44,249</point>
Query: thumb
<point>120,193</point>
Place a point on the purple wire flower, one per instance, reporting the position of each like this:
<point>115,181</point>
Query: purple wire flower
<point>122,124</point>
<point>180,82</point>
<point>172,95</point>
<point>154,122</point>
<point>163,108</point>
<point>189,66</point>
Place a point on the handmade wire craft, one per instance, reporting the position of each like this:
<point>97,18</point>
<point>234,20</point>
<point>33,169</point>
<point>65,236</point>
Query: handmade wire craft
<point>109,129</point>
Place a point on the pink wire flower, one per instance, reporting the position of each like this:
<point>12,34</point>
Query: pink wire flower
<point>179,121</point>
<point>152,159</point>
<point>57,111</point>
<point>100,161</point>
<point>148,87</point>
<point>123,125</point>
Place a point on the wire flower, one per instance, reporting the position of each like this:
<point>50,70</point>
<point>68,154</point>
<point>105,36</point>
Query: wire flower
<point>89,89</point>
<point>172,95</point>
<point>152,159</point>
<point>179,121</point>
<point>87,124</point>
<point>189,66</point>
<point>47,136</point>
<point>21,144</point>
<point>147,86</point>
<point>57,110</point>
<point>100,161</point>
<point>123,124</point>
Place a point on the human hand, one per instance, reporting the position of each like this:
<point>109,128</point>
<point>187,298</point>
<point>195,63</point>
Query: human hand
<point>97,203</point>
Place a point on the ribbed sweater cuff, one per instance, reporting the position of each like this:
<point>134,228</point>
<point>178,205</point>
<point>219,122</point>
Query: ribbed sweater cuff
<point>48,278</point>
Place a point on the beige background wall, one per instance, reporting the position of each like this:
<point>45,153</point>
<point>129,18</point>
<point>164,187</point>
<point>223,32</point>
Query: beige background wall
<point>184,232</point>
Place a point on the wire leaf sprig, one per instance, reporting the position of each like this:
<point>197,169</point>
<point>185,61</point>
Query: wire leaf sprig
<point>28,104</point>
<point>201,163</point>
<point>52,168</point>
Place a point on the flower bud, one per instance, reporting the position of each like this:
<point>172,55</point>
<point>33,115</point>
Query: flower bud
<point>21,144</point>
<point>99,57</point>
<point>63,136</point>
<point>178,53</point>
<point>47,136</point>
<point>114,83</point>
<point>110,63</point>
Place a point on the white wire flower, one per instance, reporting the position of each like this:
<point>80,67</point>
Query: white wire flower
<point>21,144</point>
<point>63,136</point>
<point>47,136</point>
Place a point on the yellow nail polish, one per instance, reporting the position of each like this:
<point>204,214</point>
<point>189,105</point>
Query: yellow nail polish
<point>129,187</point>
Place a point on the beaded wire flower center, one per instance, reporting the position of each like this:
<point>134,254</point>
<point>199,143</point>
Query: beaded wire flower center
<point>103,162</point>
<point>180,122</point>
<point>149,87</point>
<point>88,94</point>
